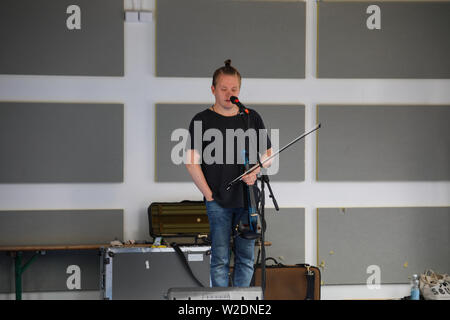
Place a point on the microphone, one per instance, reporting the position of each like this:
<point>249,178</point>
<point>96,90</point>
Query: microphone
<point>242,108</point>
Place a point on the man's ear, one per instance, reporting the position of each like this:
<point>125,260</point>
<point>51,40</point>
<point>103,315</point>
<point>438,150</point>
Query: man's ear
<point>213,89</point>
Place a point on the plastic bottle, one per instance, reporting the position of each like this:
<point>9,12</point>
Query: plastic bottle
<point>415,293</point>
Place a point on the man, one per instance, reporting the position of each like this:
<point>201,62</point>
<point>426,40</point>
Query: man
<point>225,208</point>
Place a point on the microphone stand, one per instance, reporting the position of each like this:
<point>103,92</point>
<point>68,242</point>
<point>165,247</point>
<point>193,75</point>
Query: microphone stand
<point>259,210</point>
<point>265,180</point>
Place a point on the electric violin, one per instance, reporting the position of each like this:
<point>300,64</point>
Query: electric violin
<point>250,231</point>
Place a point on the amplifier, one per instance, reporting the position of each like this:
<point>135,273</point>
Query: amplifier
<point>216,293</point>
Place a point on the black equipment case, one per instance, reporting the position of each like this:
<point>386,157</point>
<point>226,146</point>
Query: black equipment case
<point>134,273</point>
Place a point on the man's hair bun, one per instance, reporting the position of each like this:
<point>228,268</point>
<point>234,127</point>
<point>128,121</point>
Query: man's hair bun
<point>226,69</point>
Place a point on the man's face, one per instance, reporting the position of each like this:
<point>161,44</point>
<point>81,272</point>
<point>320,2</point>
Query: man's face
<point>226,86</point>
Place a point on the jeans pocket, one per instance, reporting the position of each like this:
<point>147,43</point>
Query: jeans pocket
<point>209,202</point>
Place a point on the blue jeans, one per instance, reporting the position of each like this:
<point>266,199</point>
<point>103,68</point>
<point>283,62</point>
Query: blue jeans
<point>221,222</point>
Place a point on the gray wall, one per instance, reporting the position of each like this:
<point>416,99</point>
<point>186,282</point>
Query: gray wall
<point>411,42</point>
<point>286,233</point>
<point>61,142</point>
<point>60,227</point>
<point>265,38</point>
<point>49,45</point>
<point>383,143</point>
<point>400,241</point>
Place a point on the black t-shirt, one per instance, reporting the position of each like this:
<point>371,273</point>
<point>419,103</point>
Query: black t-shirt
<point>221,168</point>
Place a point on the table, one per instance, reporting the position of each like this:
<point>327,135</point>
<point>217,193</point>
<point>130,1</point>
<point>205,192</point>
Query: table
<point>16,253</point>
<point>20,267</point>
